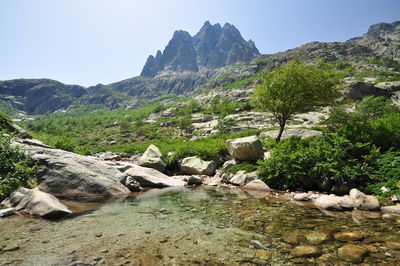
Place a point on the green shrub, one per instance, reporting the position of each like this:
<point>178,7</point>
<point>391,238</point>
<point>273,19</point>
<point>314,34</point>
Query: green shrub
<point>385,173</point>
<point>247,167</point>
<point>64,143</point>
<point>375,107</point>
<point>318,163</point>
<point>5,122</point>
<point>376,121</point>
<point>16,168</point>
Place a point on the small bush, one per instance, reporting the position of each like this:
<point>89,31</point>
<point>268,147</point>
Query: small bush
<point>64,143</point>
<point>385,173</point>
<point>16,168</point>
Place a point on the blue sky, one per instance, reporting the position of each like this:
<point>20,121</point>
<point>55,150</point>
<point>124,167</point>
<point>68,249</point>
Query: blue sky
<point>87,42</point>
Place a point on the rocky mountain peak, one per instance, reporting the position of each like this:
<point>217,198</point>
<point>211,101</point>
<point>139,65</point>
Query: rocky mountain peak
<point>212,47</point>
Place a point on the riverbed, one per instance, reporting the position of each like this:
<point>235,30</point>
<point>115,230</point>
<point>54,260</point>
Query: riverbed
<point>198,226</point>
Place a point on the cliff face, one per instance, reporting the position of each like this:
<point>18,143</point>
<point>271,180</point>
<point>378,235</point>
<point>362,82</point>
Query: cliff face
<point>212,47</point>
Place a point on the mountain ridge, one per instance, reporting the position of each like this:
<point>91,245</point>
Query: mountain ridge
<point>380,42</point>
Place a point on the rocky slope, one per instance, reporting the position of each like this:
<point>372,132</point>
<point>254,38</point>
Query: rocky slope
<point>205,61</point>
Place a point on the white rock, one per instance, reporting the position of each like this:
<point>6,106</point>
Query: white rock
<point>152,158</point>
<point>301,197</point>
<point>239,178</point>
<point>7,212</point>
<point>196,166</point>
<point>257,184</point>
<point>245,149</point>
<point>334,203</point>
<point>361,201</point>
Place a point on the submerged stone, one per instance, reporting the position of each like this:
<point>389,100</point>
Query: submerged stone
<point>305,251</point>
<point>353,253</point>
<point>348,236</point>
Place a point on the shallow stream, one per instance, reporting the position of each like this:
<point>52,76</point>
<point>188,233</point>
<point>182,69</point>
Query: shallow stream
<point>196,226</point>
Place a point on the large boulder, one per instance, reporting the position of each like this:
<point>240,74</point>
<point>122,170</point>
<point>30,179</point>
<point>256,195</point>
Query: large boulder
<point>294,132</point>
<point>152,158</point>
<point>239,178</point>
<point>246,149</point>
<point>36,202</point>
<point>257,185</point>
<point>196,166</point>
<point>364,202</point>
<point>69,175</point>
<point>334,203</point>
<point>149,177</point>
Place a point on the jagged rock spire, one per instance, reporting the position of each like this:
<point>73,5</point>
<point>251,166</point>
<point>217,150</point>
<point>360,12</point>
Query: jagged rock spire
<point>212,47</point>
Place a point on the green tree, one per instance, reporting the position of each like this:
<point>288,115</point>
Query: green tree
<point>295,87</point>
<point>184,123</point>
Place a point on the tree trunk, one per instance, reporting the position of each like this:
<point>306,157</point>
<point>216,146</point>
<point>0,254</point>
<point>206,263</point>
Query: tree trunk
<point>281,128</point>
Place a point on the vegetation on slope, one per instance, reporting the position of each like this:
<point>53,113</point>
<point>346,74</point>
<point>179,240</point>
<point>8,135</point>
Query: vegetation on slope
<point>16,168</point>
<point>356,149</point>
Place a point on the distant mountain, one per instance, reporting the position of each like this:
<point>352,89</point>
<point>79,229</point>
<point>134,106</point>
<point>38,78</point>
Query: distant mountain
<point>212,47</point>
<point>204,61</point>
<point>38,96</point>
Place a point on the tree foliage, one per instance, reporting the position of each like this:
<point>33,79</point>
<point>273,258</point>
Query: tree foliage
<point>295,87</point>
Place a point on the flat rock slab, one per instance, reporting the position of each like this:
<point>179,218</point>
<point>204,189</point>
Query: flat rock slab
<point>69,175</point>
<point>295,132</point>
<point>149,177</point>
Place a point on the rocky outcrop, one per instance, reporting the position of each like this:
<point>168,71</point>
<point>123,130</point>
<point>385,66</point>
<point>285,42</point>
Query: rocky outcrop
<point>361,89</point>
<point>36,202</point>
<point>245,149</point>
<point>212,47</point>
<point>197,166</point>
<point>153,158</point>
<point>294,132</point>
<point>149,177</point>
<point>69,175</point>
